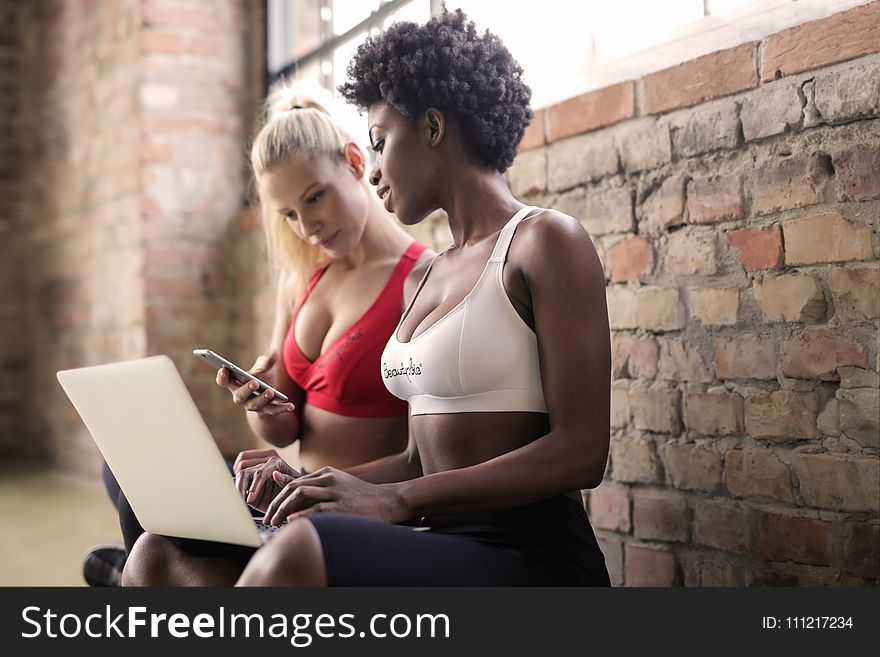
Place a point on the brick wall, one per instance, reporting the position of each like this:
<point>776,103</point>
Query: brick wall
<point>735,203</point>
<point>133,121</point>
<point>14,337</point>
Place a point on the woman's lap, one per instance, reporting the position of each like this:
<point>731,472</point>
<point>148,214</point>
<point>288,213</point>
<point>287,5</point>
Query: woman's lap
<point>365,552</point>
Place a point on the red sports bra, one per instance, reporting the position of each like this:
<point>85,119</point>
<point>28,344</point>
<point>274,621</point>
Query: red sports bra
<point>346,378</point>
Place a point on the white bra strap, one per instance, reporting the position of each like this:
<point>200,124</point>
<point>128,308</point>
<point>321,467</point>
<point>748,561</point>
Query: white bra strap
<point>412,301</point>
<point>499,253</point>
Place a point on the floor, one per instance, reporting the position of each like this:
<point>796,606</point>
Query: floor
<point>48,520</point>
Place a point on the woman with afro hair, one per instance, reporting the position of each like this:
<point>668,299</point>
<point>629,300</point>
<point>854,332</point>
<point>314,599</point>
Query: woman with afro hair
<point>503,352</point>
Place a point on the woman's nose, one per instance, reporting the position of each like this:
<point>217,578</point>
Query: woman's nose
<point>375,176</point>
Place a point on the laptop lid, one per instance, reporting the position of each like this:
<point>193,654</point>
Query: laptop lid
<point>151,434</point>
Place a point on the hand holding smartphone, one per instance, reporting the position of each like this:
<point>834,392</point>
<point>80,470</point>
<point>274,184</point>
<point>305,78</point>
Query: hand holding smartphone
<point>238,374</point>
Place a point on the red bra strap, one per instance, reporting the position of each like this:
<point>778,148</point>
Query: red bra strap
<point>311,284</point>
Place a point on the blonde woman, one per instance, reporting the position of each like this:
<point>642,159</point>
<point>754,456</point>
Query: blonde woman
<point>345,267</point>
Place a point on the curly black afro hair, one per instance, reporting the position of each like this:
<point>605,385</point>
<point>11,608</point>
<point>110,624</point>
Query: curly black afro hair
<point>446,64</point>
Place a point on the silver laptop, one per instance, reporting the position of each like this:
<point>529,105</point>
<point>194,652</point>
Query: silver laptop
<point>152,436</point>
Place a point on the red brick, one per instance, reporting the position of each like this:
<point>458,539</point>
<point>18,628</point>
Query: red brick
<point>717,74</point>
<point>862,552</point>
<point>722,525</point>
<point>759,248</point>
<point>534,135</point>
<point>590,111</point>
<point>816,354</point>
<point>660,517</point>
<point>629,259</point>
<point>858,174</point>
<point>791,538</point>
<point>840,37</point>
<point>609,508</point>
<point>644,566</point>
<point>747,357</point>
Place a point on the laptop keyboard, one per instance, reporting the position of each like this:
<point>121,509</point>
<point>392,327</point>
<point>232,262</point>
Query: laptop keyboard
<point>268,531</point>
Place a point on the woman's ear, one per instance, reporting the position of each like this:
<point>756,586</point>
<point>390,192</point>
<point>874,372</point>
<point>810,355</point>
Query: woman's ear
<point>354,158</point>
<point>435,122</point>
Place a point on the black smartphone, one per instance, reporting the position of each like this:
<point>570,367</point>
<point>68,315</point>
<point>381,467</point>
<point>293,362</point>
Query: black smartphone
<point>236,373</point>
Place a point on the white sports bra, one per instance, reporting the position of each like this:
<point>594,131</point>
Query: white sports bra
<point>478,357</point>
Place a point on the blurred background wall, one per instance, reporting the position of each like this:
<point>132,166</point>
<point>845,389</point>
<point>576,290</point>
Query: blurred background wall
<point>730,181</point>
<point>125,231</point>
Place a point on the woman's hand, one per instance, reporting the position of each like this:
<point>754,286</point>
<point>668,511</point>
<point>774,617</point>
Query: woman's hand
<point>251,457</point>
<point>257,485</point>
<point>243,395</point>
<point>329,489</point>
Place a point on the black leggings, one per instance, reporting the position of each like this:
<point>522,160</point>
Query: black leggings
<point>549,543</point>
<point>365,552</point>
<point>128,522</point>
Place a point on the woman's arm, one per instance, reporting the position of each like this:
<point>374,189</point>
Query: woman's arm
<point>567,286</point>
<point>281,429</point>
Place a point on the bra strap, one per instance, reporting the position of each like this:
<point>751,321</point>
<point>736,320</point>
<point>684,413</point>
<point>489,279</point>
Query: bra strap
<point>499,253</point>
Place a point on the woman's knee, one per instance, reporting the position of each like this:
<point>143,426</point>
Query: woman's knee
<point>295,557</point>
<point>149,561</point>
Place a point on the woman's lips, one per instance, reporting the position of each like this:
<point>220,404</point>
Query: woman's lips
<point>327,243</point>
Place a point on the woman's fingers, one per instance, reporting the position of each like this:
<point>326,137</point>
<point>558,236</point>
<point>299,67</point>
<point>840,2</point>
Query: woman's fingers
<point>244,393</point>
<point>252,457</point>
<point>294,498</point>
<point>264,362</point>
<point>243,483</point>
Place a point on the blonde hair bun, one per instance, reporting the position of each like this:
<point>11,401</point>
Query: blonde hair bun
<point>292,96</point>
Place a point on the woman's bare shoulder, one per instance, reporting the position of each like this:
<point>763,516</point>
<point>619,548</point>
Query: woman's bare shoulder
<point>549,235</point>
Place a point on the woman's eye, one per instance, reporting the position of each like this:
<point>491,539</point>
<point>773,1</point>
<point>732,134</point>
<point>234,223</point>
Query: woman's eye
<point>315,197</point>
<point>379,145</point>
<point>291,216</point>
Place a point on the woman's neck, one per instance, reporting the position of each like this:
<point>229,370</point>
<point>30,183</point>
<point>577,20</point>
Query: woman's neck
<point>382,238</point>
<point>478,203</point>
